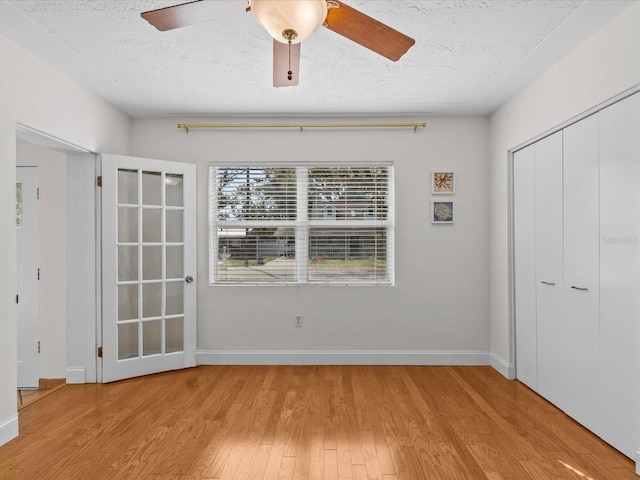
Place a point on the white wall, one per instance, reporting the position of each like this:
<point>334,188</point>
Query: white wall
<point>440,301</point>
<point>52,182</point>
<point>599,69</point>
<point>35,95</point>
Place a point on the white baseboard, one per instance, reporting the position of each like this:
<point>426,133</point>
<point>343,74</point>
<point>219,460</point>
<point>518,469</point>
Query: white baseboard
<point>316,357</point>
<point>501,365</point>
<point>76,375</point>
<point>8,429</point>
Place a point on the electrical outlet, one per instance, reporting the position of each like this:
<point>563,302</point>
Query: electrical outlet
<point>298,322</point>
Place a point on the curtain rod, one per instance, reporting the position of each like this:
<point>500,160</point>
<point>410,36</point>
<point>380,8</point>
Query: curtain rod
<point>300,126</point>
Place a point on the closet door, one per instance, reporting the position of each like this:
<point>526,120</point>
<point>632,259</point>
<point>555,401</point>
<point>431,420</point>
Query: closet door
<point>524,233</point>
<point>581,271</point>
<point>549,268</point>
<point>620,274</point>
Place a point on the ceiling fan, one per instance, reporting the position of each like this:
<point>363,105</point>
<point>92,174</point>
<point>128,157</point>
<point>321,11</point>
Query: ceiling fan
<point>289,22</point>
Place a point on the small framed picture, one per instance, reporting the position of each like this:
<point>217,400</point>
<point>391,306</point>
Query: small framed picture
<point>442,183</point>
<point>441,212</point>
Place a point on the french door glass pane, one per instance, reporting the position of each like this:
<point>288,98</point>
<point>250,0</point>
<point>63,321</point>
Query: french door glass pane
<point>127,263</point>
<point>127,224</point>
<point>175,260</point>
<point>152,262</point>
<point>175,225</point>
<point>151,225</point>
<point>152,300</point>
<point>127,302</point>
<point>175,335</point>
<point>151,188</point>
<point>152,338</point>
<point>175,298</point>
<point>127,341</point>
<point>174,190</point>
<point>128,187</point>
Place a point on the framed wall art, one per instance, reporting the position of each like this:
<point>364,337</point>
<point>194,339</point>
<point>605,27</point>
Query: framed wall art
<point>441,211</point>
<point>442,183</point>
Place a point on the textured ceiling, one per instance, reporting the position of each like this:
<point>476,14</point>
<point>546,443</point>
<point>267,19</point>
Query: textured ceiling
<point>469,56</point>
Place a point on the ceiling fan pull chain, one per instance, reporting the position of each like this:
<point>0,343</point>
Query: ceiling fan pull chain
<point>289,73</point>
<point>289,35</point>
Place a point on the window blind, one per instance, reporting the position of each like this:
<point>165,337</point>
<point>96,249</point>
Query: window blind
<point>300,224</point>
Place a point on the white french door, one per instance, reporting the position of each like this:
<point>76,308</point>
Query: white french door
<point>148,266</point>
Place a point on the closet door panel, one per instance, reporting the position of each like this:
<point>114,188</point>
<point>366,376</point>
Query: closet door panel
<point>524,231</point>
<point>620,274</point>
<point>549,267</point>
<point>581,270</point>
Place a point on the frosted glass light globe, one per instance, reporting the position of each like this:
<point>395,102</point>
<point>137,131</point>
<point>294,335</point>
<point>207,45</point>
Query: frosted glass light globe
<point>278,16</point>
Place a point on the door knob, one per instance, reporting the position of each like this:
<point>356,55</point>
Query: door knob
<point>189,279</point>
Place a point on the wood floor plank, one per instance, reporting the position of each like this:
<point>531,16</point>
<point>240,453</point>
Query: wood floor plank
<point>316,455</point>
<point>306,423</point>
<point>383,451</point>
<point>343,455</point>
<point>360,472</point>
<point>287,468</point>
<point>330,465</point>
<point>259,462</point>
<point>371,458</point>
<point>272,469</point>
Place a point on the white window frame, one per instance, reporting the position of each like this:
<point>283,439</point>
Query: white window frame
<point>302,224</point>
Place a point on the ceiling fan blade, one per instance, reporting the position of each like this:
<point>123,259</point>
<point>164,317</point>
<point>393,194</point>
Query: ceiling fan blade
<point>181,15</point>
<point>285,61</point>
<point>368,32</point>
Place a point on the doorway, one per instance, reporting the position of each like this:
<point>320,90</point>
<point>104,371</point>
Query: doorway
<point>42,321</point>
<point>66,244</point>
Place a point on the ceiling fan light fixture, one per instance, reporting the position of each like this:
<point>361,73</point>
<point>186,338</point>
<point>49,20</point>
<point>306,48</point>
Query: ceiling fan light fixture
<point>281,17</point>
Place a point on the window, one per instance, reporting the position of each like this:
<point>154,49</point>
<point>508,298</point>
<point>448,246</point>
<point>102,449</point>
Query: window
<point>273,224</point>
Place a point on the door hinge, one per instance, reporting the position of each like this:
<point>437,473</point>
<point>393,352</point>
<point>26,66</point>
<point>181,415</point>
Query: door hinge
<point>17,299</point>
<point>99,181</point>
<point>38,346</point>
<point>99,352</point>
<point>38,274</point>
<point>38,193</point>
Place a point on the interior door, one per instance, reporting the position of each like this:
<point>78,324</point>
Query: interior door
<point>549,268</point>
<point>27,276</point>
<point>620,274</point>
<point>581,270</point>
<point>524,236</point>
<point>148,266</point>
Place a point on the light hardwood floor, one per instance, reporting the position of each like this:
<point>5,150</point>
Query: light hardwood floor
<point>306,422</point>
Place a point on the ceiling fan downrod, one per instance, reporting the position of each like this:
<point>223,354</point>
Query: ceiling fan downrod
<point>289,35</point>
